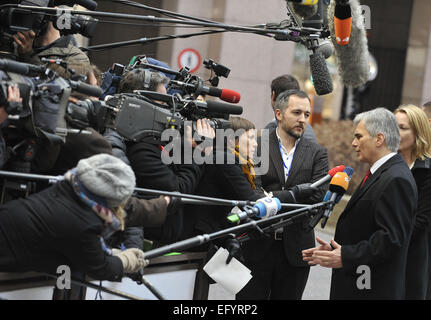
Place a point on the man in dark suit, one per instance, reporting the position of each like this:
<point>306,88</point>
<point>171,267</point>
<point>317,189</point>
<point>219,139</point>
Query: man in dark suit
<point>368,255</point>
<point>276,263</point>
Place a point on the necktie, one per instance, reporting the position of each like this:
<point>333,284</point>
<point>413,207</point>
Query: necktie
<point>366,177</point>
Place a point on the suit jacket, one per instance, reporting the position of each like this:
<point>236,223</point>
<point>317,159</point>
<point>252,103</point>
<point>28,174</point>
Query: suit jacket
<point>374,231</point>
<point>309,164</point>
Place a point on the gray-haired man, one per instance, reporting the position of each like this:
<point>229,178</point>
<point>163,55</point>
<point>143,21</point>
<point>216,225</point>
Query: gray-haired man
<point>368,255</point>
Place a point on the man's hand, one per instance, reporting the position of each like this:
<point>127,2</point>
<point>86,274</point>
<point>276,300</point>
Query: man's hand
<point>13,96</point>
<point>203,129</point>
<point>132,259</point>
<point>303,191</point>
<point>324,255</point>
<point>24,40</point>
<point>324,246</point>
<point>233,246</point>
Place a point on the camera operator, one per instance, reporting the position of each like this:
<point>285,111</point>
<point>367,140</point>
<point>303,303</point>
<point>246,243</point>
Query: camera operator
<point>60,158</point>
<point>66,223</point>
<point>147,213</point>
<point>49,44</point>
<point>145,157</point>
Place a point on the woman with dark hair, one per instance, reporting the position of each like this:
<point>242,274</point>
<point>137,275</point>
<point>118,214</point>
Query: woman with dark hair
<point>415,148</point>
<point>231,180</point>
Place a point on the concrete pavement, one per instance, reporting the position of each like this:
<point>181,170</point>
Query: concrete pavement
<point>318,283</point>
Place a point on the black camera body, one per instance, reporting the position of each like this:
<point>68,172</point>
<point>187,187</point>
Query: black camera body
<point>13,20</point>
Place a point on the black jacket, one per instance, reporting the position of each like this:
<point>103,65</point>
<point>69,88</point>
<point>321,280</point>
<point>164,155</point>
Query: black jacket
<point>52,228</point>
<point>374,230</point>
<point>224,181</point>
<point>418,268</point>
<point>310,163</point>
<point>150,171</point>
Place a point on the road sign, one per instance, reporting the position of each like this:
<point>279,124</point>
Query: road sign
<point>189,58</point>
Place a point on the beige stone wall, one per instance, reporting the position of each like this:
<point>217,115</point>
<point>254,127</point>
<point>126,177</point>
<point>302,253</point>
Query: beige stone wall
<point>417,77</point>
<point>254,60</point>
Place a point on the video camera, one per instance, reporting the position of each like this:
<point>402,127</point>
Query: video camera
<point>44,99</point>
<point>147,113</point>
<point>14,19</point>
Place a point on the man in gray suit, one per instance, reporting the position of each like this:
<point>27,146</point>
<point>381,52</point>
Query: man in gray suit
<point>278,85</point>
<point>276,262</point>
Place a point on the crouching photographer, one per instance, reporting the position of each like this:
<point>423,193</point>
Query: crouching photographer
<point>66,224</point>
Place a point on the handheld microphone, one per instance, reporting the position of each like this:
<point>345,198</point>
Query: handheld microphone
<point>352,57</point>
<point>328,177</point>
<point>264,208</point>
<point>328,194</point>
<point>304,2</point>
<point>338,186</point>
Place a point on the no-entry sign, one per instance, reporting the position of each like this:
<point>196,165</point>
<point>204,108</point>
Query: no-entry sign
<point>189,58</point>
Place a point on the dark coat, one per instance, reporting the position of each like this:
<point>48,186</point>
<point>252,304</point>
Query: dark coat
<point>374,230</point>
<point>52,228</point>
<point>224,181</point>
<point>310,163</point>
<point>418,268</point>
<point>146,161</point>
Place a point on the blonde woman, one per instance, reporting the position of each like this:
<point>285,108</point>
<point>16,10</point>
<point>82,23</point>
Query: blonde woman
<point>415,148</point>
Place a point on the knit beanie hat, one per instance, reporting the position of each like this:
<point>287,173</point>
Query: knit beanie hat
<point>108,177</point>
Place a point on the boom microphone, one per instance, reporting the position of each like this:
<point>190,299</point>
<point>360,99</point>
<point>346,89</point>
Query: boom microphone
<point>342,23</point>
<point>88,4</point>
<point>328,177</point>
<point>352,57</point>
<point>322,80</point>
<point>304,8</point>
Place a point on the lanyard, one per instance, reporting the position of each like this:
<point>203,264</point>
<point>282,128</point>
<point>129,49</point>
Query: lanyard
<point>282,159</point>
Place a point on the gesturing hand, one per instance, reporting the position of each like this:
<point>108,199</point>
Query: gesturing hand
<point>324,255</point>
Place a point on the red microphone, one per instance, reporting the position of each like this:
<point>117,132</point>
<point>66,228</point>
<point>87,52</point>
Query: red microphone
<point>230,96</point>
<point>329,176</point>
